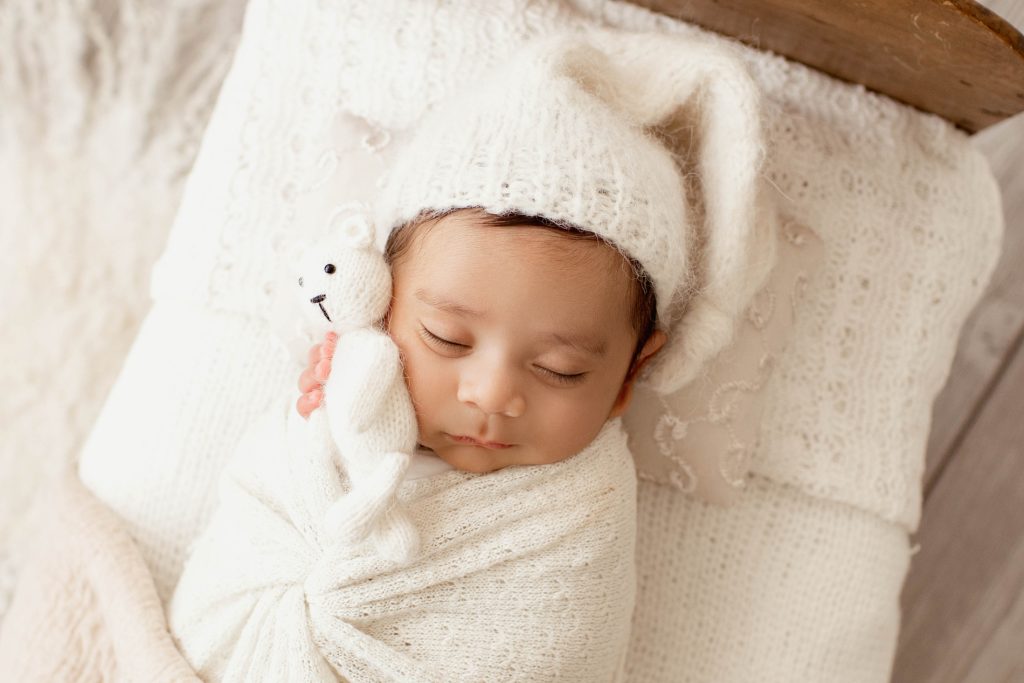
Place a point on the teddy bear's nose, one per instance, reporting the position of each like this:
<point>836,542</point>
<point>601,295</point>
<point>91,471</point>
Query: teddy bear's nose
<point>318,298</point>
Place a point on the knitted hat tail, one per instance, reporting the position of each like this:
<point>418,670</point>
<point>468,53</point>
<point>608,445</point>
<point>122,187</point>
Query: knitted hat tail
<point>699,100</point>
<point>720,298</point>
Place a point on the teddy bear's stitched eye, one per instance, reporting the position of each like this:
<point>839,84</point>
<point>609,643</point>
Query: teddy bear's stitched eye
<point>329,268</point>
<point>300,282</point>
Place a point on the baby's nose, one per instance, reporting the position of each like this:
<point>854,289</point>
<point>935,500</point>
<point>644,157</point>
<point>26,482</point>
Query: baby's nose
<point>494,395</point>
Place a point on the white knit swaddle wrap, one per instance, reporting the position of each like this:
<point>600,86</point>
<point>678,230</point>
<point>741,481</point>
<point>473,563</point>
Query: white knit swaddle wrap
<point>526,573</point>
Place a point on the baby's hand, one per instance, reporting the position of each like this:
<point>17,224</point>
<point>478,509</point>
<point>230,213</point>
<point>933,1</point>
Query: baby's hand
<point>312,379</point>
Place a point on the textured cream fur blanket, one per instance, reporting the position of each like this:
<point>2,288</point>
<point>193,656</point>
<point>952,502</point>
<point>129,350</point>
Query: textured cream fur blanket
<point>526,573</point>
<point>86,608</point>
<point>102,107</point>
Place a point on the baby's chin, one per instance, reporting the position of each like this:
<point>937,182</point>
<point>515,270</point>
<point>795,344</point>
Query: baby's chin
<point>470,459</point>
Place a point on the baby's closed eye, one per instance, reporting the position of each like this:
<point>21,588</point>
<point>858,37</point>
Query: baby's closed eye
<point>431,337</point>
<point>561,377</point>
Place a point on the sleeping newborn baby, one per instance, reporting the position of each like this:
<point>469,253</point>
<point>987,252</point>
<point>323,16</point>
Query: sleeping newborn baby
<point>539,245</point>
<point>520,341</point>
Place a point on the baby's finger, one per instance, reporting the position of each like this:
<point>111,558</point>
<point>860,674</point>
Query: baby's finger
<point>314,355</point>
<point>305,406</point>
<point>309,402</point>
<point>322,370</point>
<point>327,348</point>
<point>308,381</point>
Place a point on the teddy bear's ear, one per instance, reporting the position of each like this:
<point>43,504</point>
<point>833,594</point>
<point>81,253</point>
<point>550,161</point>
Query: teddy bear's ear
<point>350,224</point>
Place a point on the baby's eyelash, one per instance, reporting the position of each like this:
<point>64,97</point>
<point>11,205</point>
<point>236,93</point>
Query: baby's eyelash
<point>565,379</point>
<point>430,336</point>
<point>557,376</point>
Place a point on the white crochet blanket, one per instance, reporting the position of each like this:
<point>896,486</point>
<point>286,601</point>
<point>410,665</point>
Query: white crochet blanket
<point>526,573</point>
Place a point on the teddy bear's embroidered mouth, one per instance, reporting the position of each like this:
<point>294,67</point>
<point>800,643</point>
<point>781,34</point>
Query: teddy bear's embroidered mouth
<point>319,301</point>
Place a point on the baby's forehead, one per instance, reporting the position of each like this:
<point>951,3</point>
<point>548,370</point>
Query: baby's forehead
<point>570,261</point>
<point>533,237</point>
<point>532,249</point>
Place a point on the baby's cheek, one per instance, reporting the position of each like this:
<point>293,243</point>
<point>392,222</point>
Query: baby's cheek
<point>571,423</point>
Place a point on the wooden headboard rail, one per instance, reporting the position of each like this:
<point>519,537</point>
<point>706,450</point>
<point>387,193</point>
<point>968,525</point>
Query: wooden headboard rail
<point>954,58</point>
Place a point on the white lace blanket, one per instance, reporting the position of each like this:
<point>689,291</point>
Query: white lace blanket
<point>526,573</point>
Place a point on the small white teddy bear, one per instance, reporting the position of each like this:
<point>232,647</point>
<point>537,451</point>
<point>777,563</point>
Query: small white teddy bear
<point>345,286</point>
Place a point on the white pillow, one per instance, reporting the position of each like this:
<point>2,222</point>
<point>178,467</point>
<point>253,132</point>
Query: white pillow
<point>701,439</point>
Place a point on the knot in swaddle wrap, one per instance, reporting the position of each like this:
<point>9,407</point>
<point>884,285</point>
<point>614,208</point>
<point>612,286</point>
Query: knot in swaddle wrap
<point>531,566</point>
<point>599,130</point>
<point>367,413</point>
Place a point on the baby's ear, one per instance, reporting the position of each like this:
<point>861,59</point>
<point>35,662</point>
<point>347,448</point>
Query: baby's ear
<point>651,347</point>
<point>352,226</point>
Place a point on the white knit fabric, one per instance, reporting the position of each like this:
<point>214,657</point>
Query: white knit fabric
<point>548,133</point>
<point>526,574</point>
<point>425,463</point>
<point>911,222</point>
<point>780,587</point>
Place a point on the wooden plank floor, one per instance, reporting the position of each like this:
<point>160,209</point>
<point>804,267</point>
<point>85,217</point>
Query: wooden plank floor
<point>963,601</point>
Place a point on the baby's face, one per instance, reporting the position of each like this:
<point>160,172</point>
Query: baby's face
<point>514,337</point>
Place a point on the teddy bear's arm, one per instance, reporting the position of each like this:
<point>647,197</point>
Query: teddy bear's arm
<point>376,379</point>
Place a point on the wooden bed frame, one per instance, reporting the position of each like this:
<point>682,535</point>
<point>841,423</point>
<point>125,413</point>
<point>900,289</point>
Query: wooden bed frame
<point>954,58</point>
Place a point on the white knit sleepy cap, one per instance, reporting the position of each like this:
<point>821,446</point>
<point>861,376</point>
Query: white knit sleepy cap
<point>574,128</point>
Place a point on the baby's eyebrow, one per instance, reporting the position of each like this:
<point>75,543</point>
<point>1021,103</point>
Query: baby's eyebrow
<point>585,344</point>
<point>445,305</point>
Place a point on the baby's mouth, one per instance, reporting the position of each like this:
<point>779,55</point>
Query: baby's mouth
<point>469,440</point>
